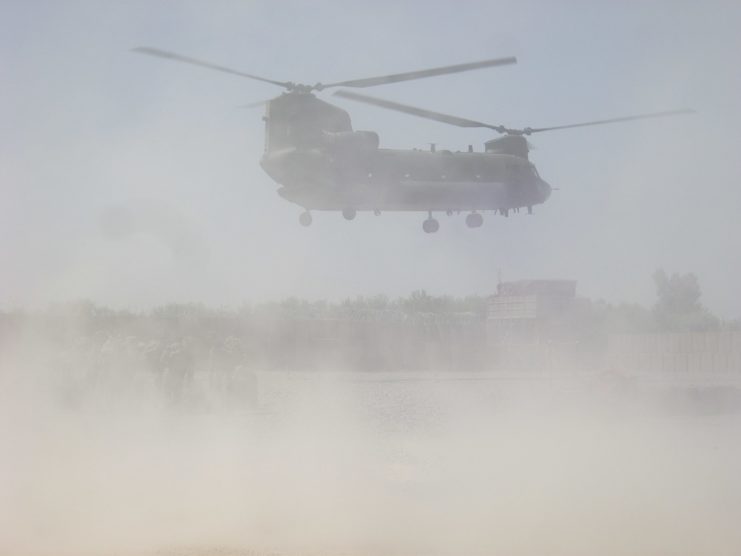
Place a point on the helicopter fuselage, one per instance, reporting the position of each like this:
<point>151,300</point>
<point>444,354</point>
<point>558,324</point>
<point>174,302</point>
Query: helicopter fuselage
<point>405,180</point>
<point>322,164</point>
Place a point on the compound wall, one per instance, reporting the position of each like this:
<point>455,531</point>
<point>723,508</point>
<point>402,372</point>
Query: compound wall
<point>686,352</point>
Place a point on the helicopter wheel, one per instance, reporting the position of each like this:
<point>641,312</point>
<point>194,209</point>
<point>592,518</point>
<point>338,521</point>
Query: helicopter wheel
<point>474,220</point>
<point>305,218</point>
<point>430,226</point>
<point>349,214</point>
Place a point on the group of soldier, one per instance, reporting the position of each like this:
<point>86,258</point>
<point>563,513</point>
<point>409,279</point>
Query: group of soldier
<point>177,369</point>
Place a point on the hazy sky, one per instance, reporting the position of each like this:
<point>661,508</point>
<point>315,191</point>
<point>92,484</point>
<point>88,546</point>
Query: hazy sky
<point>91,131</point>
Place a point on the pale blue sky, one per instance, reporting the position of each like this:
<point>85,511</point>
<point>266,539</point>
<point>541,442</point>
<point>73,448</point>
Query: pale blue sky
<point>88,126</point>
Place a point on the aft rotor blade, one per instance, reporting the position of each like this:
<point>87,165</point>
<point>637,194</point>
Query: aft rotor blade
<point>529,130</point>
<point>414,111</point>
<point>420,74</point>
<point>187,60</point>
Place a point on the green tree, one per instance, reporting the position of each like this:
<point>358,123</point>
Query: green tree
<point>678,306</point>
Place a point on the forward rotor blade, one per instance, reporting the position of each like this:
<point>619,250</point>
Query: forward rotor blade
<point>529,130</point>
<point>420,74</point>
<point>185,59</point>
<point>414,111</point>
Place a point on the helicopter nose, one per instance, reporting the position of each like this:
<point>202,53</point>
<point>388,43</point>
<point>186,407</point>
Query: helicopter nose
<point>545,189</point>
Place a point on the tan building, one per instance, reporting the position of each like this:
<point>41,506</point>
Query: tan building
<point>525,322</point>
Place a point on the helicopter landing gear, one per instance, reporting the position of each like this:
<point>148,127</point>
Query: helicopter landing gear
<point>349,214</point>
<point>430,226</point>
<point>474,220</point>
<point>305,218</point>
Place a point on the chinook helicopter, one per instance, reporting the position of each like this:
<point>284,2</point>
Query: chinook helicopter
<point>322,164</point>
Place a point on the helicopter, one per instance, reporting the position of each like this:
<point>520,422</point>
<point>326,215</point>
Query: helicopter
<point>322,164</point>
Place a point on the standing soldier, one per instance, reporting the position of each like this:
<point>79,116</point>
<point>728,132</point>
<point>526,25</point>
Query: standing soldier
<point>179,363</point>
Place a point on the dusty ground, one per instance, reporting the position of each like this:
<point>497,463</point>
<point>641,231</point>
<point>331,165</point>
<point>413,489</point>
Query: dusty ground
<point>333,463</point>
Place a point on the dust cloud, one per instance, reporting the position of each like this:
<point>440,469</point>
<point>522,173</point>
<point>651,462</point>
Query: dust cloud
<point>338,462</point>
<point>137,185</point>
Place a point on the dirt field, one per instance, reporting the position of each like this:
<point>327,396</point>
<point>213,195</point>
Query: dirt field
<point>340,463</point>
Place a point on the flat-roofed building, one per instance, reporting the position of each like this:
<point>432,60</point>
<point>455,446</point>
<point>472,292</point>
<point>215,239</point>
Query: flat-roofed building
<point>524,320</point>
